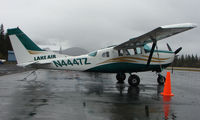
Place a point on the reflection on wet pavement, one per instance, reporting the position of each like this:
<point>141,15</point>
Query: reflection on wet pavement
<point>58,95</point>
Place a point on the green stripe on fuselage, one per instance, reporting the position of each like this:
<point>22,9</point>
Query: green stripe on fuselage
<point>125,68</point>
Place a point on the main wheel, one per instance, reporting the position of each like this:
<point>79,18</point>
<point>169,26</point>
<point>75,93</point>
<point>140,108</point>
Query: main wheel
<point>121,77</point>
<point>134,80</point>
<point>161,79</point>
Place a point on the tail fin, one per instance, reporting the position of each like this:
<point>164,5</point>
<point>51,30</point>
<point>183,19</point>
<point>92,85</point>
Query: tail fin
<point>23,46</point>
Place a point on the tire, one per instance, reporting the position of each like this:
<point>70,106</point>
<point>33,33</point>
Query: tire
<point>134,80</point>
<point>121,77</point>
<point>161,80</point>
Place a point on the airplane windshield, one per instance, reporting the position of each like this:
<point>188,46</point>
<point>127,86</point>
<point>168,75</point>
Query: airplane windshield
<point>93,54</point>
<point>147,48</point>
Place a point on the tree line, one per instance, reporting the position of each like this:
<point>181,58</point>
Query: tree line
<point>5,44</point>
<point>187,61</point>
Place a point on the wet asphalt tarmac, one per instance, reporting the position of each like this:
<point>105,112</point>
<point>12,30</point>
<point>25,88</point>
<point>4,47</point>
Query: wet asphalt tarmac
<point>70,95</point>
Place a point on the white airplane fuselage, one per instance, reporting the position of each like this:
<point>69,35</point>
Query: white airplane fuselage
<point>107,60</point>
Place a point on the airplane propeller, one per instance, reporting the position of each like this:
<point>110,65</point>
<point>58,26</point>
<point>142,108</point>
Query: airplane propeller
<point>176,52</point>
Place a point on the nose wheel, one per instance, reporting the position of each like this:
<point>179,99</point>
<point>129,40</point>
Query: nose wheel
<point>161,79</point>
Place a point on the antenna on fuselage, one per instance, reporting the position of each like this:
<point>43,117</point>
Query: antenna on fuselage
<point>60,50</point>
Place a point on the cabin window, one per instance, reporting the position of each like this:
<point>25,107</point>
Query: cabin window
<point>93,54</point>
<point>126,52</point>
<point>120,52</point>
<point>105,54</point>
<point>138,50</point>
<point>131,51</point>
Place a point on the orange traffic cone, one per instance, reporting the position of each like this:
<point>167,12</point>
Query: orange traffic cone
<point>167,88</point>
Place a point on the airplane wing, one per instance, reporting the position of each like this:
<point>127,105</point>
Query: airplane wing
<point>156,34</point>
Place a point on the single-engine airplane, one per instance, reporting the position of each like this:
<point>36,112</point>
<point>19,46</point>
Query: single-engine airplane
<point>131,56</point>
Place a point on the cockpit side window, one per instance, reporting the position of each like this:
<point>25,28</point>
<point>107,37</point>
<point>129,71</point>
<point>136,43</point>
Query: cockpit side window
<point>105,54</point>
<point>147,48</point>
<point>126,52</point>
<point>138,50</point>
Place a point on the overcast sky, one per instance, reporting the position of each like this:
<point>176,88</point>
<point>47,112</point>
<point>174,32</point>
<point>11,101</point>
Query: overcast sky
<point>95,24</point>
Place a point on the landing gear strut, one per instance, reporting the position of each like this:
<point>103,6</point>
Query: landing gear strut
<point>161,79</point>
<point>120,77</point>
<point>133,79</point>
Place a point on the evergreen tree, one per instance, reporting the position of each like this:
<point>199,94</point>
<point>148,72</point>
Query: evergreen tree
<point>187,61</point>
<point>2,42</point>
<point>5,44</point>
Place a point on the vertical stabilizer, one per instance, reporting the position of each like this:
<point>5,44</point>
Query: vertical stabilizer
<point>22,46</point>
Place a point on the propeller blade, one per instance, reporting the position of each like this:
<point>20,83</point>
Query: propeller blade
<point>169,48</point>
<point>151,53</point>
<point>178,50</point>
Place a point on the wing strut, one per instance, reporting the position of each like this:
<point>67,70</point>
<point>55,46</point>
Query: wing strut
<point>152,50</point>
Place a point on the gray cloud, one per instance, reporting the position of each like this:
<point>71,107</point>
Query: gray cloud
<point>94,24</point>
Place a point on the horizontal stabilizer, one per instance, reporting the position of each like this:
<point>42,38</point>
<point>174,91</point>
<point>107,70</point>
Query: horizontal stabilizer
<point>34,63</point>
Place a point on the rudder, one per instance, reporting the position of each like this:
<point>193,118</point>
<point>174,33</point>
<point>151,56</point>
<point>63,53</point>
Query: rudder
<point>22,46</point>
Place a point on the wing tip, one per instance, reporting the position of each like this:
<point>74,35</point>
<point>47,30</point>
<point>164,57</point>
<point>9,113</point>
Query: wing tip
<point>181,25</point>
